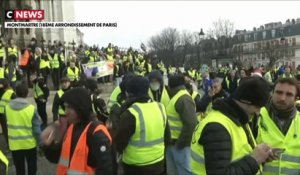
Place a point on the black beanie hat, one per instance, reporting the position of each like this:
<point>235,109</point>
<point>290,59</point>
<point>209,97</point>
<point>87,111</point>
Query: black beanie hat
<point>79,99</point>
<point>125,80</point>
<point>253,91</point>
<point>176,80</point>
<point>138,86</point>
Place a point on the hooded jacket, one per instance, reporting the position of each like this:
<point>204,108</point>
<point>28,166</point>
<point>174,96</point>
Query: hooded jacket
<point>157,94</point>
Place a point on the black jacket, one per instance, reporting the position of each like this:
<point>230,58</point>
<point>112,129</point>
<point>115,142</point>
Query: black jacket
<point>99,159</point>
<point>127,129</point>
<point>217,143</point>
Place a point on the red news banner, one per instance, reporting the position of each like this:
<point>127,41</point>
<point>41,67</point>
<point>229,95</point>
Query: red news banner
<point>25,14</point>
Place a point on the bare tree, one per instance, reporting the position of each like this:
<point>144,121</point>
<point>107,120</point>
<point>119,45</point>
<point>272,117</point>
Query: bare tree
<point>165,43</point>
<point>222,27</point>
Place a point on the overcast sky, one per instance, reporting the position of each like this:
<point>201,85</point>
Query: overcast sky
<point>139,20</point>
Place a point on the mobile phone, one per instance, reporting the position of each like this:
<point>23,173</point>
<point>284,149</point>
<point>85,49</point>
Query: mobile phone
<point>278,151</point>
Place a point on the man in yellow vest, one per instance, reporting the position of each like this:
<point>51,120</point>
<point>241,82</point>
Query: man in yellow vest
<point>54,59</point>
<point>23,131</point>
<point>41,94</point>
<point>141,136</point>
<point>44,65</point>
<point>181,113</point>
<point>73,73</point>
<point>158,91</point>
<point>223,142</point>
<point>279,126</point>
<point>58,108</point>
<point>6,94</point>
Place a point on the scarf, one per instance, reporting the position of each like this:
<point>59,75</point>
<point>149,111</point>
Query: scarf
<point>282,118</point>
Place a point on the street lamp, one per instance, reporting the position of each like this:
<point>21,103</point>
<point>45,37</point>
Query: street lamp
<point>201,36</point>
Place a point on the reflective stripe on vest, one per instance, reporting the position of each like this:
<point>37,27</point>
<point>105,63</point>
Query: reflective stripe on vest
<point>73,76</point>
<point>1,72</point>
<point>5,161</point>
<point>78,164</point>
<point>164,99</point>
<point>5,99</point>
<point>19,125</point>
<point>2,52</point>
<point>269,133</point>
<point>61,111</point>
<point>146,145</point>
<point>54,62</point>
<point>240,145</point>
<point>174,120</point>
<point>14,77</point>
<point>37,91</point>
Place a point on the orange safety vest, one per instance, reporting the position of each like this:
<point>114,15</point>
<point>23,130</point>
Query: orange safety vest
<point>24,58</point>
<point>78,163</point>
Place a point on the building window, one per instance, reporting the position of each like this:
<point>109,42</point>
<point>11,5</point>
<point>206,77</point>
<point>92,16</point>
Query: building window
<point>255,36</point>
<point>246,37</point>
<point>273,33</point>
<point>264,34</point>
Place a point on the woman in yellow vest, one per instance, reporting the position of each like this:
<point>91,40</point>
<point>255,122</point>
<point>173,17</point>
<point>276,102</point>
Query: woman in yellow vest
<point>223,142</point>
<point>140,138</point>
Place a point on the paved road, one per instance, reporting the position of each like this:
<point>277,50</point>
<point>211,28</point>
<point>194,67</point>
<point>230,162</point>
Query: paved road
<point>45,167</point>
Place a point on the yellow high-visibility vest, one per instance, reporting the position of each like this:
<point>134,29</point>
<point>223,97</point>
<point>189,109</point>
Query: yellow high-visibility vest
<point>54,62</point>
<point>240,145</point>
<point>174,120</point>
<point>2,52</point>
<point>19,124</point>
<point>5,161</point>
<point>13,51</point>
<point>61,111</point>
<point>6,97</point>
<point>44,64</point>
<point>146,145</point>
<point>73,76</point>
<point>269,133</point>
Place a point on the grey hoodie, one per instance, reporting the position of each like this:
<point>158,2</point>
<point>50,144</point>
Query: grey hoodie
<point>21,103</point>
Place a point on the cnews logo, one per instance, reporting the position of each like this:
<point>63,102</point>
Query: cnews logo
<point>24,14</point>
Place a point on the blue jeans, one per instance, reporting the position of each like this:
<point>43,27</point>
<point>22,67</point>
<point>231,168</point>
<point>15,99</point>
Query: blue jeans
<point>178,161</point>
